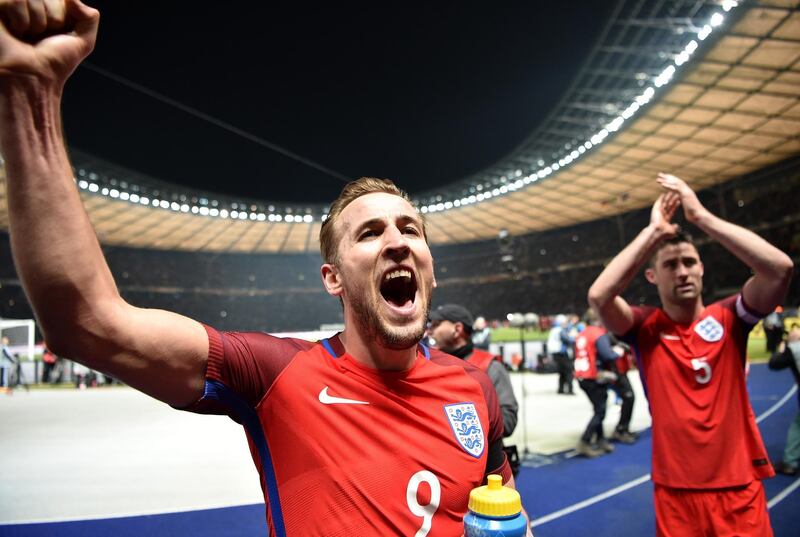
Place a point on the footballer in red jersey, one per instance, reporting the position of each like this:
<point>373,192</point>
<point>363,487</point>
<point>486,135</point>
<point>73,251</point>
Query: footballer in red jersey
<point>363,436</point>
<point>708,457</point>
<point>380,452</point>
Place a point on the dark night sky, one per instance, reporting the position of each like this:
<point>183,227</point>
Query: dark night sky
<point>424,93</point>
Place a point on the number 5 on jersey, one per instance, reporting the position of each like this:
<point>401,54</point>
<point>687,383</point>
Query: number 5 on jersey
<point>700,364</point>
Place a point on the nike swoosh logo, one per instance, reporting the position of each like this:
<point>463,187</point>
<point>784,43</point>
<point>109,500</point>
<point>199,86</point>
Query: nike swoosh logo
<point>326,399</point>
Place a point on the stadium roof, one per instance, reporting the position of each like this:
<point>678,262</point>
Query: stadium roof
<point>685,87</point>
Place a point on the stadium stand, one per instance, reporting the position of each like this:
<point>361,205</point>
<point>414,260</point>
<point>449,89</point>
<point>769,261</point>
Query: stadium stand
<point>551,270</point>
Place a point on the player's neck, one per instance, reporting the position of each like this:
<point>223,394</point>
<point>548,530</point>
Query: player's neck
<point>683,312</point>
<point>369,352</point>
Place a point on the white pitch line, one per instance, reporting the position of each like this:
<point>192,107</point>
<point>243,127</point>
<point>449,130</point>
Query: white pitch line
<point>594,499</point>
<point>645,478</point>
<point>782,494</point>
<point>777,405</point>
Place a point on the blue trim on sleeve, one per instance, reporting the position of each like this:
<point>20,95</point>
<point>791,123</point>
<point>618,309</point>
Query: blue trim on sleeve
<point>246,415</point>
<point>327,345</point>
<point>426,351</point>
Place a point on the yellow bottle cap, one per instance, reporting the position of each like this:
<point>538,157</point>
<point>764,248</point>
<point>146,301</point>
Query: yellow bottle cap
<point>494,499</point>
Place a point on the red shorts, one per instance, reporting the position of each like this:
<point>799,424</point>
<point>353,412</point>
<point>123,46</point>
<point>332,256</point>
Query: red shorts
<point>712,513</point>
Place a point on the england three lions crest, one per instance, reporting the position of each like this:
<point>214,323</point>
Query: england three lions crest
<point>467,427</point>
<point>709,329</point>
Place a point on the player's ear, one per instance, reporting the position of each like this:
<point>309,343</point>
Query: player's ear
<point>650,274</point>
<point>331,279</point>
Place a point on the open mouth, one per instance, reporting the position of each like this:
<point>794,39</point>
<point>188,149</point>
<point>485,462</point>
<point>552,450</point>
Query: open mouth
<point>399,287</point>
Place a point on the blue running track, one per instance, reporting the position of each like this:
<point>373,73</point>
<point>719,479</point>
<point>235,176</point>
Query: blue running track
<point>610,496</point>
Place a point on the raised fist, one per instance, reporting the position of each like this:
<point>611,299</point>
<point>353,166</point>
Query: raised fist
<point>45,39</point>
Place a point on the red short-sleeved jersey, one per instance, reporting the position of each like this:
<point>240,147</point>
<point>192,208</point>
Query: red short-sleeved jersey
<point>704,430</point>
<point>586,352</point>
<point>343,449</point>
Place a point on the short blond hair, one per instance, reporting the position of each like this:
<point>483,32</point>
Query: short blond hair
<point>328,238</point>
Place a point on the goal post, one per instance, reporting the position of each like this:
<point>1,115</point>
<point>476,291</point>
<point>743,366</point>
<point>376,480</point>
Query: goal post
<point>21,335</point>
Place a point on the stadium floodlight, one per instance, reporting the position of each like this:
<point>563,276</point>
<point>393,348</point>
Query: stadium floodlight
<point>124,196</point>
<point>104,191</point>
<point>308,218</point>
<point>83,184</point>
<point>717,19</point>
<point>213,212</point>
<point>223,213</point>
<point>134,198</point>
<point>727,5</point>
<point>261,217</point>
<point>704,32</point>
<point>184,208</point>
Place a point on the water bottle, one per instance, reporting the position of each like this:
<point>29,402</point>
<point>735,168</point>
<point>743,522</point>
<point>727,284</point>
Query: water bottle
<point>495,511</point>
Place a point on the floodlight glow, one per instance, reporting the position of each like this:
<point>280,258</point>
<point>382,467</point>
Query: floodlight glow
<point>448,205</point>
<point>114,193</point>
<point>480,197</point>
<point>104,191</point>
<point>93,187</point>
<point>555,166</point>
<point>243,215</point>
<point>204,211</point>
<point>184,208</point>
<point>690,47</point>
<point>213,212</point>
<point>234,214</point>
<point>423,209</point>
<point>717,19</point>
<point>83,184</point>
<point>308,218</point>
<point>278,218</point>
<point>660,80</point>
<point>616,124</point>
<point>223,213</point>
<point>144,200</point>
<point>174,206</point>
<point>195,209</point>
<point>727,5</point>
<point>134,198</point>
<point>704,32</point>
<point>261,217</point>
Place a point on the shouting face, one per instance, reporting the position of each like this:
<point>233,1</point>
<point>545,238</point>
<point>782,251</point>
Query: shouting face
<point>384,270</point>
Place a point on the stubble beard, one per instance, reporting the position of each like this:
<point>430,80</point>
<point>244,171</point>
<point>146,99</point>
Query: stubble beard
<point>365,308</point>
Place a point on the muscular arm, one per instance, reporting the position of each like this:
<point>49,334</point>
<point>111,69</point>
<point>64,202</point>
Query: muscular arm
<point>772,269</point>
<point>604,294</point>
<point>55,249</point>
